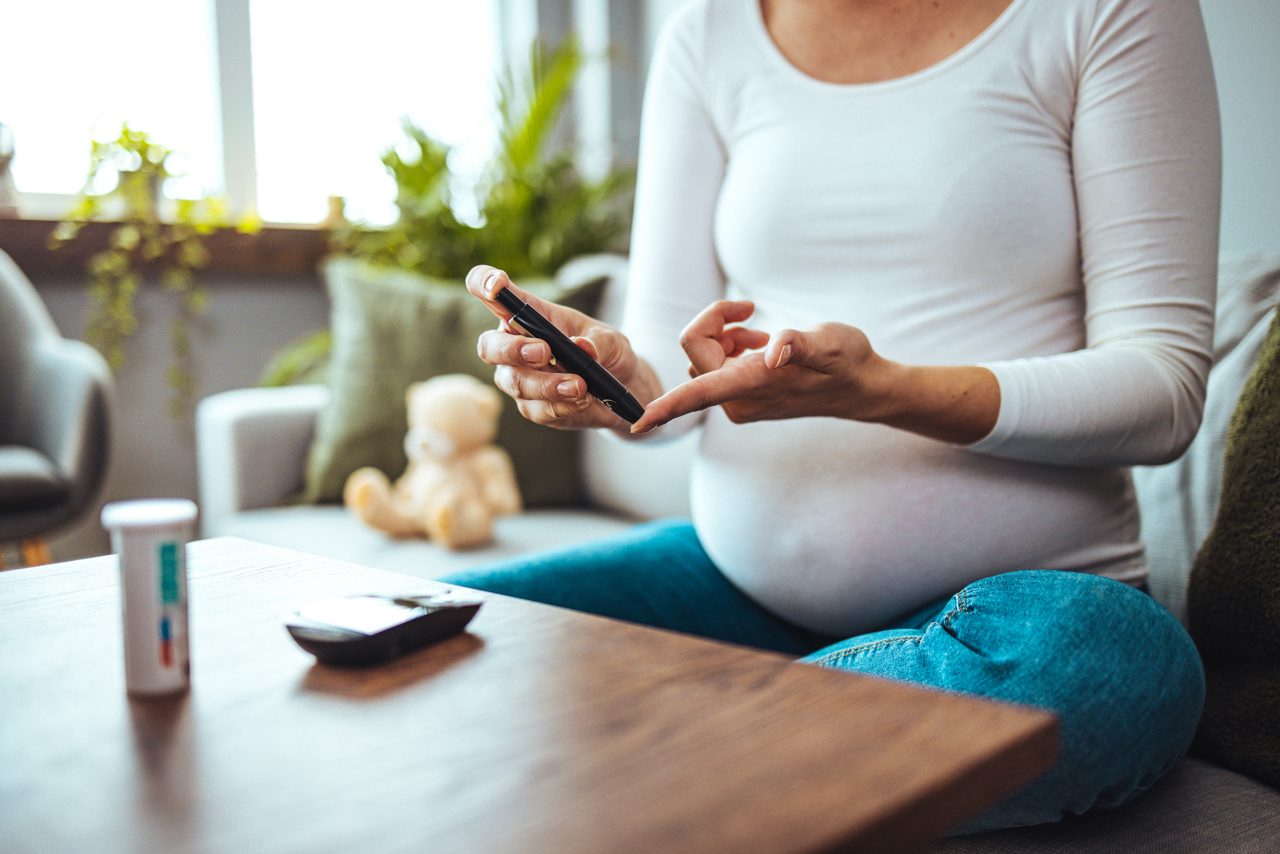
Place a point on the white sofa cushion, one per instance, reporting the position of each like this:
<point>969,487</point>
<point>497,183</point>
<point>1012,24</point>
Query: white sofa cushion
<point>331,531</point>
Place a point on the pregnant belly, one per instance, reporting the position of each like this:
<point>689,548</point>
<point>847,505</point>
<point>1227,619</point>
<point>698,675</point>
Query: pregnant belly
<point>840,526</point>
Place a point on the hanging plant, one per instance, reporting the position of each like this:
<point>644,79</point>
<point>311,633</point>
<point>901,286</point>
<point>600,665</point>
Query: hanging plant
<point>143,243</point>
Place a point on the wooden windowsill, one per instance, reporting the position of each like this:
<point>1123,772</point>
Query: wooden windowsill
<point>272,251</point>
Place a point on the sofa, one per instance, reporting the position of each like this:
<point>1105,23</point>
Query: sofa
<point>252,446</point>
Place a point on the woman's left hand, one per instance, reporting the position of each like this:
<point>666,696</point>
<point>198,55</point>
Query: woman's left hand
<point>830,370</point>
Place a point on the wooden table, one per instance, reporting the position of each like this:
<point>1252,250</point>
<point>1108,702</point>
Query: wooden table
<point>539,730</point>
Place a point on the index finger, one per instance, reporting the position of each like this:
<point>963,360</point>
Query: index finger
<point>702,392</point>
<point>484,282</point>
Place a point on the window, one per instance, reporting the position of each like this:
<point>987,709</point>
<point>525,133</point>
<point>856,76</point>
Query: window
<point>330,84</point>
<point>144,61</point>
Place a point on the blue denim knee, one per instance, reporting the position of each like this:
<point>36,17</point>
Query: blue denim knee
<point>1119,670</point>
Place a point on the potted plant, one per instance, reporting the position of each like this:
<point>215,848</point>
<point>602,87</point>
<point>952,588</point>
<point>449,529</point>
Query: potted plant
<point>145,239</point>
<point>536,211</point>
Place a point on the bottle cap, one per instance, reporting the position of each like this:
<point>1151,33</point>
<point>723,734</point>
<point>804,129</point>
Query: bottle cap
<point>148,513</point>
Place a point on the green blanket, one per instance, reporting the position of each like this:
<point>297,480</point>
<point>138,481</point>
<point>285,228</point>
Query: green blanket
<point>1233,601</point>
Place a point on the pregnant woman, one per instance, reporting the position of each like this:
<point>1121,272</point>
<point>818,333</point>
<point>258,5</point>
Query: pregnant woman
<point>927,277</point>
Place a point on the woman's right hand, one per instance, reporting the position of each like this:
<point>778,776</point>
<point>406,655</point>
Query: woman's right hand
<point>522,365</point>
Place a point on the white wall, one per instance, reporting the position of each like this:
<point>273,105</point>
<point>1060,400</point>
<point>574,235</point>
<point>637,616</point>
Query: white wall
<point>657,11</point>
<point>153,455</point>
<point>1244,37</point>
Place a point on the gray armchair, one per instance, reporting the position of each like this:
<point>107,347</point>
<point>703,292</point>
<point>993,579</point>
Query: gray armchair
<point>55,397</point>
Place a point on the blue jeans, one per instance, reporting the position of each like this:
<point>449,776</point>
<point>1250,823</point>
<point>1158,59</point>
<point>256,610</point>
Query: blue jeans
<point>1118,669</point>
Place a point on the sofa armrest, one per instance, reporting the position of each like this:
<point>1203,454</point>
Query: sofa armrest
<point>251,448</point>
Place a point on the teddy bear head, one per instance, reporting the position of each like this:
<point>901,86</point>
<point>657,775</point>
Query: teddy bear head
<point>450,415</point>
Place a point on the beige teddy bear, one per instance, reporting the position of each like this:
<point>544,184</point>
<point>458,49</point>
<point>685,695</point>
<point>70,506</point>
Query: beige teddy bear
<point>456,482</point>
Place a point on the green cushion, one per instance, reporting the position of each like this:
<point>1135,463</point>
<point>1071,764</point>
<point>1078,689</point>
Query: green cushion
<point>392,328</point>
<point>1233,602</point>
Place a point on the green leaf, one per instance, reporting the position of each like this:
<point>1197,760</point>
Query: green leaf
<point>193,254</point>
<point>175,279</point>
<point>197,301</point>
<point>305,360</point>
<point>126,237</point>
<point>530,104</point>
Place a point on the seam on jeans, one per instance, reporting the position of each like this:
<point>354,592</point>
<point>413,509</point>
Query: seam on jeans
<point>962,607</point>
<point>849,652</point>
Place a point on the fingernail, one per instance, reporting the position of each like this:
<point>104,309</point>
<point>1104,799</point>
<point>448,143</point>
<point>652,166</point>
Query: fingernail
<point>568,390</point>
<point>490,285</point>
<point>534,354</point>
<point>784,355</point>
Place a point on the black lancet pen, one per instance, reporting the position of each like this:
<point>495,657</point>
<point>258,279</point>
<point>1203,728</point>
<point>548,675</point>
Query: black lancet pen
<point>602,384</point>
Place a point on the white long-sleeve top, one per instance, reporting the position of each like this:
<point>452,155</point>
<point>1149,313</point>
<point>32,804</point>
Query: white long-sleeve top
<point>1043,202</point>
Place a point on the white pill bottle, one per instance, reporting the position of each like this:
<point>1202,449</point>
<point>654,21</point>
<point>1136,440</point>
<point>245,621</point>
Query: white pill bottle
<point>150,537</point>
